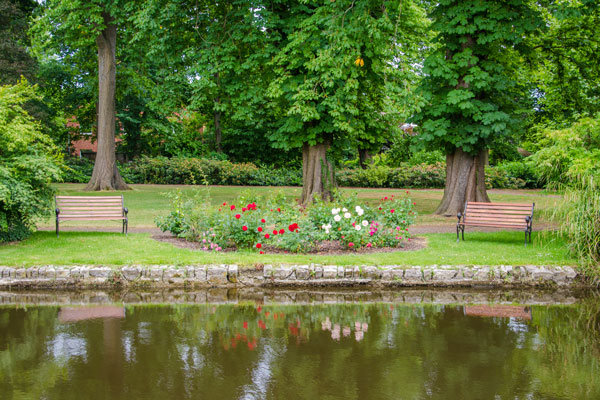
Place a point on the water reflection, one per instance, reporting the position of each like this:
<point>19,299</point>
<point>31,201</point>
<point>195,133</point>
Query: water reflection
<point>277,351</point>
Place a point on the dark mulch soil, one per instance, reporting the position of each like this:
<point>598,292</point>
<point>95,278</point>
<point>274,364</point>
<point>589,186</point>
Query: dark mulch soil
<point>328,247</point>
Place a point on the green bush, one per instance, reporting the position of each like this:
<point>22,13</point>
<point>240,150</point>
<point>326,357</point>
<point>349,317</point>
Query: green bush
<point>28,165</point>
<point>522,173</point>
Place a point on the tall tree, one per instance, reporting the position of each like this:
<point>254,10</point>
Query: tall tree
<point>471,86</point>
<point>14,59</point>
<point>75,26</point>
<point>331,76</point>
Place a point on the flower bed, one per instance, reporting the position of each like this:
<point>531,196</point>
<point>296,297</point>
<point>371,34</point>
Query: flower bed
<point>277,226</point>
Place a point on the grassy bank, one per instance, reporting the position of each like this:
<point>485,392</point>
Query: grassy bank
<point>101,248</point>
<point>146,202</point>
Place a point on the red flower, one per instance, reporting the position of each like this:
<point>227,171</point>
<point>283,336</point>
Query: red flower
<point>261,252</point>
<point>244,228</point>
<point>225,203</point>
<point>259,229</point>
<point>279,210</point>
<point>232,207</point>
<point>350,244</point>
<point>385,198</point>
<point>274,231</point>
<point>281,231</point>
<point>293,227</point>
<point>267,236</point>
<point>414,204</point>
<point>258,245</point>
<point>380,208</point>
<point>245,325</point>
<point>263,220</point>
<point>238,216</point>
<point>392,210</point>
<point>243,209</point>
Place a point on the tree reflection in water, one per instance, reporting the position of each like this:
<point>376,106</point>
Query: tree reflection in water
<point>350,351</point>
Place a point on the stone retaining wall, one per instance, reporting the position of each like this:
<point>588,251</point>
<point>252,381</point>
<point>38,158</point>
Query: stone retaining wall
<point>313,275</point>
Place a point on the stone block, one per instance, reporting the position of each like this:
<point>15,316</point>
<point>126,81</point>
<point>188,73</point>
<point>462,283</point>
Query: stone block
<point>232,273</point>
<point>62,273</point>
<point>284,272</point>
<point>302,272</point>
<point>481,274</point>
<point>413,274</point>
<point>131,273</point>
<point>330,271</point>
<point>217,275</point>
<point>200,273</point>
<point>444,275</point>
<point>47,272</point>
<point>174,276</point>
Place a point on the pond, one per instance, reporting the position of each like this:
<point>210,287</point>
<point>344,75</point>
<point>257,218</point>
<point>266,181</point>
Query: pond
<point>346,345</point>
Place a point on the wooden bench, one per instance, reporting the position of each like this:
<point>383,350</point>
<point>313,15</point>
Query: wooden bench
<point>90,208</point>
<point>496,215</point>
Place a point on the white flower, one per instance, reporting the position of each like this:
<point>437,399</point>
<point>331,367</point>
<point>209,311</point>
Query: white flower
<point>344,209</point>
<point>365,223</point>
<point>357,208</point>
<point>328,226</point>
<point>357,227</point>
<point>337,218</point>
<point>360,212</point>
<point>347,215</point>
<point>323,226</point>
<point>334,211</point>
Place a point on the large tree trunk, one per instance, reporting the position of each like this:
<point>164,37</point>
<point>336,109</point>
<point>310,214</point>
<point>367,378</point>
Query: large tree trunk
<point>465,181</point>
<point>218,133</point>
<point>364,158</point>
<point>106,175</point>
<point>317,173</point>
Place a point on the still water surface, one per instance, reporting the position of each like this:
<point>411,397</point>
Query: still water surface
<point>326,351</point>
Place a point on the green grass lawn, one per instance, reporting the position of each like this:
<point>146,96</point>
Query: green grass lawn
<point>115,249</point>
<point>146,202</point>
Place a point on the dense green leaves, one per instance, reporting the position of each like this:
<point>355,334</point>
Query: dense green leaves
<point>470,82</point>
<point>28,165</point>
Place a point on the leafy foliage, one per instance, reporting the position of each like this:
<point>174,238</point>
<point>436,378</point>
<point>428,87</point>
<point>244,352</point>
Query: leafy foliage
<point>471,75</point>
<point>28,165</point>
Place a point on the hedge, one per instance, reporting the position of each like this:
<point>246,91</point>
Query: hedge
<point>196,171</point>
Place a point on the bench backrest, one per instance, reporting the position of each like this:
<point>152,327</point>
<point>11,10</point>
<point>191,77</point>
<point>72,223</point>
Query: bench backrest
<point>90,207</point>
<point>498,214</point>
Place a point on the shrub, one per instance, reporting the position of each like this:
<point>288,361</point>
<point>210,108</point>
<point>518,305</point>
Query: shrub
<point>28,165</point>
<point>522,173</point>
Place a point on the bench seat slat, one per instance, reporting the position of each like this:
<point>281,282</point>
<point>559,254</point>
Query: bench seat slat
<point>479,208</point>
<point>91,213</point>
<point>471,218</point>
<point>496,225</point>
<point>497,212</point>
<point>94,218</point>
<point>476,203</point>
<point>90,201</point>
<point>87,197</point>
<point>100,208</point>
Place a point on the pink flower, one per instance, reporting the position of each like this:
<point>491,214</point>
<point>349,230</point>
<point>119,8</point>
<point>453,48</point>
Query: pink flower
<point>350,244</point>
<point>392,210</point>
<point>238,216</point>
<point>369,245</point>
<point>244,228</point>
<point>232,207</point>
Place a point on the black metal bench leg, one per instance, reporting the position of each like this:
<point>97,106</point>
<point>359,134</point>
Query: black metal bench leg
<point>463,233</point>
<point>525,238</point>
<point>457,229</point>
<point>56,227</point>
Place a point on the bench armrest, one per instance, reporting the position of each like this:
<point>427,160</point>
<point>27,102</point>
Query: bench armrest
<point>57,211</point>
<point>125,210</point>
<point>459,216</point>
